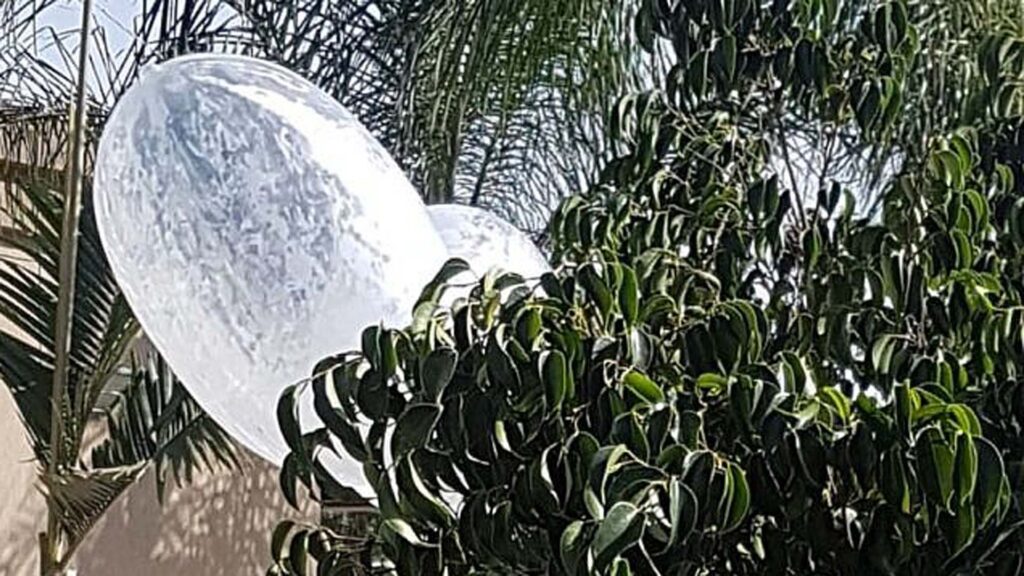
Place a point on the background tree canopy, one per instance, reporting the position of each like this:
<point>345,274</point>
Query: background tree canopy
<point>783,337</point>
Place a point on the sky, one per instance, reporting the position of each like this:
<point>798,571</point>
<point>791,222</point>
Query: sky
<point>64,17</point>
<point>113,15</point>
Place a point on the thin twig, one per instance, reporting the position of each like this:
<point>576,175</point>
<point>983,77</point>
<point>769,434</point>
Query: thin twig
<point>797,195</point>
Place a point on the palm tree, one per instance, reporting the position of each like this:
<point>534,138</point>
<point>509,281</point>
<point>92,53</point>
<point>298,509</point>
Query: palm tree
<point>495,104</point>
<point>70,329</point>
<point>146,416</point>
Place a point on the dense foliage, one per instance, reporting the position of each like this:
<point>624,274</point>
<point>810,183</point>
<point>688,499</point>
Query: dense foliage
<point>745,363</point>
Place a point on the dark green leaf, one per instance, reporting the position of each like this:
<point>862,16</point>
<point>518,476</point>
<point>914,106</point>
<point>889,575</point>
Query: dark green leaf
<point>414,428</point>
<point>438,369</point>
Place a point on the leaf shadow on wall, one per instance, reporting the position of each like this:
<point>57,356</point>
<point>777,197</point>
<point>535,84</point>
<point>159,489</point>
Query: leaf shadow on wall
<point>218,526</point>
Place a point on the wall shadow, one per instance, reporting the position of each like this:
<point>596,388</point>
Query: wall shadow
<point>218,526</point>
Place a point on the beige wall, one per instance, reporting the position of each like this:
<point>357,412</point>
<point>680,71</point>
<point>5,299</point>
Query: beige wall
<point>22,514</point>
<point>219,526</point>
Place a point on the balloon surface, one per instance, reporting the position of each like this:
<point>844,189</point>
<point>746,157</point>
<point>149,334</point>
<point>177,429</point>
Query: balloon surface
<point>255,227</point>
<point>486,241</point>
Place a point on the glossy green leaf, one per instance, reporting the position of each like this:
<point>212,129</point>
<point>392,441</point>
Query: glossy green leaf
<point>555,374</point>
<point>572,547</point>
<point>966,467</point>
<point>288,418</point>
<point>935,465</point>
<point>629,296</point>
<point>882,352</point>
<point>643,387</point>
<point>739,499</point>
<point>298,552</point>
<point>714,383</point>
<point>990,475</point>
<point>683,512</point>
<point>402,529</point>
<point>616,533</point>
<point>280,537</point>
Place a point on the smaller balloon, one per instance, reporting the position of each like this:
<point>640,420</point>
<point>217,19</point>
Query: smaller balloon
<point>486,241</point>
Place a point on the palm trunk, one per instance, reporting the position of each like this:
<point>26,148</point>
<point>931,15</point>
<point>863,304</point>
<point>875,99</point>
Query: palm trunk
<point>52,551</point>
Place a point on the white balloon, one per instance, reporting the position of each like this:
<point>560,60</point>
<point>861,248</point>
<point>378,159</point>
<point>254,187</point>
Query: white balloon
<point>486,241</point>
<point>255,227</point>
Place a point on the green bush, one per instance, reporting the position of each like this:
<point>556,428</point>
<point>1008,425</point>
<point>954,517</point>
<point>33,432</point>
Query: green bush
<point>742,365</point>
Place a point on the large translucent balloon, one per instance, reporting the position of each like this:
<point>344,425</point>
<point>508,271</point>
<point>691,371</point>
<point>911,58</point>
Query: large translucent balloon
<point>486,241</point>
<point>255,227</point>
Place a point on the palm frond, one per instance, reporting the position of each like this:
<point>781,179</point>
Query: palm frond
<point>153,419</point>
<point>102,327</point>
<point>82,497</point>
<point>462,92</point>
